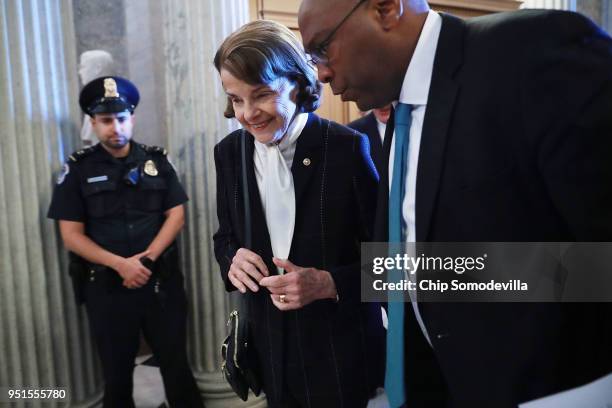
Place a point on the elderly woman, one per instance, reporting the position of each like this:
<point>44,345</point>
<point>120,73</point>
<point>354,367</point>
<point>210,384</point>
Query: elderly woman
<point>312,187</point>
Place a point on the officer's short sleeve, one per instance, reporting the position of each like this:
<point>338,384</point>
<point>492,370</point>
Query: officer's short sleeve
<point>67,202</point>
<point>176,194</point>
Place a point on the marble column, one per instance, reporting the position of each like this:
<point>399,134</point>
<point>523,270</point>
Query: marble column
<point>595,10</point>
<point>44,337</point>
<point>145,63</point>
<point>194,104</point>
<point>101,25</point>
<point>550,4</point>
<point>607,16</point>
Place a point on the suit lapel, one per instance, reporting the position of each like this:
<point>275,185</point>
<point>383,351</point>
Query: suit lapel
<point>440,106</point>
<point>307,156</point>
<point>381,225</point>
<point>375,143</point>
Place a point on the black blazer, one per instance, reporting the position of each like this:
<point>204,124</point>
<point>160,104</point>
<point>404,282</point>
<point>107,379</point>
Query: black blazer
<point>341,344</point>
<point>369,127</point>
<point>516,146</point>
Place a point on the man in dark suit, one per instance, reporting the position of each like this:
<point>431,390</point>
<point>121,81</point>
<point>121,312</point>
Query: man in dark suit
<point>373,125</point>
<point>510,125</point>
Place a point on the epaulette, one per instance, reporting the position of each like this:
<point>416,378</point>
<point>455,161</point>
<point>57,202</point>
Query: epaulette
<point>79,154</point>
<point>154,149</point>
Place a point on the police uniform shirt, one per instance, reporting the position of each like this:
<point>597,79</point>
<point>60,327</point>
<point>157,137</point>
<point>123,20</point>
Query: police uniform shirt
<point>120,201</point>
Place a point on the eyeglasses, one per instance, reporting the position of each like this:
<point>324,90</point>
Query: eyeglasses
<point>318,55</point>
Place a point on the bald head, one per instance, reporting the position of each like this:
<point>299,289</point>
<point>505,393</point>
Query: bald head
<point>308,6</point>
<point>328,13</point>
<point>363,47</point>
<point>318,6</point>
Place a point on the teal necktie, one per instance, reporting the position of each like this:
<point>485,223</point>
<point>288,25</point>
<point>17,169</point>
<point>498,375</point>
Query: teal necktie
<point>394,373</point>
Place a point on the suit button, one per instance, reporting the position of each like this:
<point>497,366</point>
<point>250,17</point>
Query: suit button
<point>306,162</point>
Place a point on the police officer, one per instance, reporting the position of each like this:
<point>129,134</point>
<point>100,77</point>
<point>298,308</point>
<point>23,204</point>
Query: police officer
<point>120,207</point>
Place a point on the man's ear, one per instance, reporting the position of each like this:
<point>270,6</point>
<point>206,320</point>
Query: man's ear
<point>388,12</point>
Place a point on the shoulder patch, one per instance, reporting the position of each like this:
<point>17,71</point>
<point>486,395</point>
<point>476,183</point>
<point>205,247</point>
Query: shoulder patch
<point>79,154</point>
<point>154,149</point>
<point>62,176</point>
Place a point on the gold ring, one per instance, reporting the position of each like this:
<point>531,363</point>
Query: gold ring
<point>281,298</point>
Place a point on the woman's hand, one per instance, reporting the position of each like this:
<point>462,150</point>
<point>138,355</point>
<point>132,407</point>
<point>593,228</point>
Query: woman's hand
<point>299,286</point>
<point>247,270</point>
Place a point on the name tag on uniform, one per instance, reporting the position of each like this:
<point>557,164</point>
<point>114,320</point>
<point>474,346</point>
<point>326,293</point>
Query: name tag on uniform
<point>97,179</point>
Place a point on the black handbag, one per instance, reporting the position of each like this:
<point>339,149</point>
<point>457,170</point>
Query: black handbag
<point>239,365</point>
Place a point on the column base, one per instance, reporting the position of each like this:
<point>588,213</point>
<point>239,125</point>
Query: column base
<point>218,394</point>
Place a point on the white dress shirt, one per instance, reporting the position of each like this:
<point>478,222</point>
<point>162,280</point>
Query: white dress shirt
<point>382,127</point>
<point>415,92</point>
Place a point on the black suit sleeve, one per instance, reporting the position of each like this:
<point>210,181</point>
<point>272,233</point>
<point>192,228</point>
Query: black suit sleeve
<point>568,98</point>
<point>365,184</point>
<point>225,243</point>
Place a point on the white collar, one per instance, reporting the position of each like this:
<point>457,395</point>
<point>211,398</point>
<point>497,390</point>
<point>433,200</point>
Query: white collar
<point>415,89</point>
<point>295,130</point>
<point>289,140</point>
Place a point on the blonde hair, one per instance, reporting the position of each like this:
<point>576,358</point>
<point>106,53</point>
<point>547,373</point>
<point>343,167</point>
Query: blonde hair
<point>262,51</point>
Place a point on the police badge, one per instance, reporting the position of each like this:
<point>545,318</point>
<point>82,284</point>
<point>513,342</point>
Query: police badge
<point>150,169</point>
<point>110,88</point>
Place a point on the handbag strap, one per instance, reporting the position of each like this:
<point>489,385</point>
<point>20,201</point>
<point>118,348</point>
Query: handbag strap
<point>248,234</point>
<point>248,238</point>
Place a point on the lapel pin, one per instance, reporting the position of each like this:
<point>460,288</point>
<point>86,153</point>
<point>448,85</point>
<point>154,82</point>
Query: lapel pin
<point>306,162</point>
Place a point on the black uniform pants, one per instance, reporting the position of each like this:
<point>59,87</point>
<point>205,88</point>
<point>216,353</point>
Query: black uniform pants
<point>117,316</point>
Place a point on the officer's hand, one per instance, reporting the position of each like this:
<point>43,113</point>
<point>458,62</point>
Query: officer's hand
<point>134,273</point>
<point>246,270</point>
